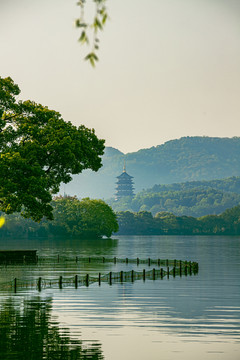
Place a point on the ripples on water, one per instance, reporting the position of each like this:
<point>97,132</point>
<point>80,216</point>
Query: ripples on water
<point>28,330</point>
<point>171,318</point>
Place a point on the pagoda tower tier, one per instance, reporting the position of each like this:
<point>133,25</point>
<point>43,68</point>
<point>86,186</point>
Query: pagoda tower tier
<point>124,185</point>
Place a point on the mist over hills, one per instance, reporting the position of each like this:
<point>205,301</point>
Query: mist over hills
<point>176,161</point>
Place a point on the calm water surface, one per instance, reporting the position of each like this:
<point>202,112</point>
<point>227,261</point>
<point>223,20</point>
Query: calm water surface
<point>176,318</point>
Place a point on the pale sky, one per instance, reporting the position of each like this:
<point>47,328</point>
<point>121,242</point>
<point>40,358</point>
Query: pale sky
<point>168,68</point>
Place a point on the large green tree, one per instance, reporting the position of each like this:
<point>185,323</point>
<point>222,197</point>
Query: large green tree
<point>38,151</point>
<point>85,218</point>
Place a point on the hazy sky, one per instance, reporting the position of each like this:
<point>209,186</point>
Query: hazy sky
<point>168,68</point>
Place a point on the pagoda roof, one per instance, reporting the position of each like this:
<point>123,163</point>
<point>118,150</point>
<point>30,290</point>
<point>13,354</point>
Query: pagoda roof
<point>124,175</point>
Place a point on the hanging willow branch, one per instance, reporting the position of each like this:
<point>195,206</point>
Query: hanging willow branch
<point>92,27</point>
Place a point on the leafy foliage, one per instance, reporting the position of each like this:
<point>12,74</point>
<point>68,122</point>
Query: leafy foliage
<point>95,25</point>
<point>84,218</point>
<point>39,150</point>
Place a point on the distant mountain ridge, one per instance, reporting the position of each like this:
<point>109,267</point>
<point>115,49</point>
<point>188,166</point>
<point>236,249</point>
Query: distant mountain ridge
<point>231,184</point>
<point>185,159</point>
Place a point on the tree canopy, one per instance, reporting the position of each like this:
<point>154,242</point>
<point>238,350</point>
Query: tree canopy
<point>76,218</point>
<point>83,218</point>
<point>39,150</point>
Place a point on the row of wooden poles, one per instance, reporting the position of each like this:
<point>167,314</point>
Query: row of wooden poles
<point>184,268</point>
<point>115,260</point>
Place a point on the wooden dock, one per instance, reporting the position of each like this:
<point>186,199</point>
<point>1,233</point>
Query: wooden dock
<point>18,256</point>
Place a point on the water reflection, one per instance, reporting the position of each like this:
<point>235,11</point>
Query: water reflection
<point>28,330</point>
<point>170,319</point>
<point>62,245</point>
<point>52,250</point>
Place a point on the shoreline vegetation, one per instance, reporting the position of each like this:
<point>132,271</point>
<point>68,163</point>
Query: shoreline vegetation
<point>84,218</point>
<point>165,223</point>
<point>94,219</point>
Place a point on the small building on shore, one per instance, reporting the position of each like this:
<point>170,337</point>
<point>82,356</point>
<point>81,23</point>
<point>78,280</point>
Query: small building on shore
<point>124,185</point>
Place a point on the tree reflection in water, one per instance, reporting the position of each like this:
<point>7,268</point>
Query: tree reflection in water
<point>28,332</point>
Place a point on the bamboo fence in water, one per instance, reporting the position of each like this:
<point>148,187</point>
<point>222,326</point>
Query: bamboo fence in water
<point>164,268</point>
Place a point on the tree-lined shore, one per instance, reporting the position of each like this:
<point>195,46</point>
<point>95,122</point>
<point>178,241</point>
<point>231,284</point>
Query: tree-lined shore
<point>144,223</point>
<point>84,218</point>
<point>95,219</point>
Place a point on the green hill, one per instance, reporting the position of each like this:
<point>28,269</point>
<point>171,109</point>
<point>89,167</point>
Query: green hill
<point>231,184</point>
<point>183,160</point>
<point>195,202</point>
<point>196,198</point>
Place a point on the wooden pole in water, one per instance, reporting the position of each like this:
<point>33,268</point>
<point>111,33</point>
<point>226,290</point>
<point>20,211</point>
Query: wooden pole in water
<point>76,259</point>
<point>174,271</point>
<point>137,261</point>
<point>60,282</point>
<point>126,260</point>
<point>103,259</point>
<point>153,273</point>
<point>195,268</point>
<point>161,273</point>
<point>39,284</point>
<point>87,280</point>
<point>89,259</point>
<point>15,285</point>
<point>185,269</point>
<point>132,275</point>
<point>110,278</point>
<point>99,279</point>
<point>144,274</point>
<point>168,272</point>
<point>76,281</point>
<point>149,261</point>
<point>121,276</point>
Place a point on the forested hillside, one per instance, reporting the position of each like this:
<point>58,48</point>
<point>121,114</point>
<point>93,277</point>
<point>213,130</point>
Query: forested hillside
<point>196,198</point>
<point>185,159</point>
<point>231,184</point>
<point>144,223</point>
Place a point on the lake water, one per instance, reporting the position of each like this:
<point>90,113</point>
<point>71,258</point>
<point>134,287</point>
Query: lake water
<point>184,317</point>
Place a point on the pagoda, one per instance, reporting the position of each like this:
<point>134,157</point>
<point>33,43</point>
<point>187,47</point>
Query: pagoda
<point>124,185</point>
